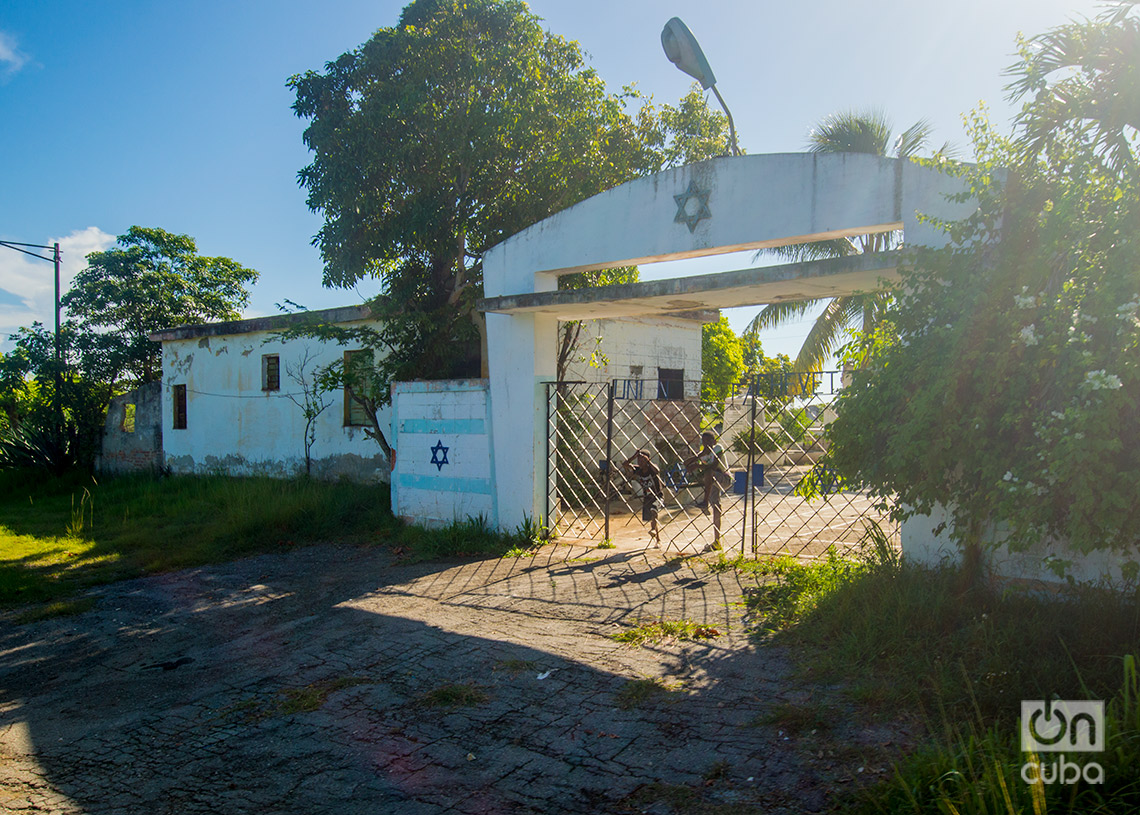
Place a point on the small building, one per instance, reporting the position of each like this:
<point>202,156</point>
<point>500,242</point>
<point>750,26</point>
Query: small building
<point>663,352</point>
<point>232,396</point>
<point>232,392</point>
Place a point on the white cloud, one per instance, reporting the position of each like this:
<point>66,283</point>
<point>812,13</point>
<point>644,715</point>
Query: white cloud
<point>33,281</point>
<point>12,59</point>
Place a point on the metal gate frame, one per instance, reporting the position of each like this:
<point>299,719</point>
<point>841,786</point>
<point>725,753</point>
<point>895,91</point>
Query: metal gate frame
<point>791,504</point>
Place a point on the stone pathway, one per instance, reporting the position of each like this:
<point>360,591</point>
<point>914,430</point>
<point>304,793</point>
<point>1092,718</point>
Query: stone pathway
<point>301,682</point>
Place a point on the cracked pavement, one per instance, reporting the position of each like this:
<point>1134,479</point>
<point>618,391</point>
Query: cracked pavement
<point>297,682</point>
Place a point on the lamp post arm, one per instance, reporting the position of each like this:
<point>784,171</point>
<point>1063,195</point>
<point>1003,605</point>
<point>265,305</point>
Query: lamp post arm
<point>731,126</point>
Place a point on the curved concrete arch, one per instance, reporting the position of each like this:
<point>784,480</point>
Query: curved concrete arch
<point>750,202</point>
<point>723,205</point>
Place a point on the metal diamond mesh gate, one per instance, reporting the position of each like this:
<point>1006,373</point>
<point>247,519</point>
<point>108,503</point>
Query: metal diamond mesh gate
<point>781,499</point>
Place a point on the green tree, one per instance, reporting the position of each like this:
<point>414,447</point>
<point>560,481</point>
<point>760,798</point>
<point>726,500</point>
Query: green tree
<point>772,378</point>
<point>1083,74</point>
<point>722,362</point>
<point>869,132</point>
<point>692,131</point>
<point>436,139</point>
<point>32,436</point>
<point>1004,384</point>
<point>152,279</point>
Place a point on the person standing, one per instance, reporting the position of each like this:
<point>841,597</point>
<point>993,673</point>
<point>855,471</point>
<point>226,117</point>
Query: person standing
<point>640,467</point>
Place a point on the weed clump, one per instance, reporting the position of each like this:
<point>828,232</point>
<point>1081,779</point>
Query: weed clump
<point>666,630</point>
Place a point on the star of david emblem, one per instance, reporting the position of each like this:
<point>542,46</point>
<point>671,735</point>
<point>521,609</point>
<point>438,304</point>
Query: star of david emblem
<point>439,455</point>
<point>692,206</point>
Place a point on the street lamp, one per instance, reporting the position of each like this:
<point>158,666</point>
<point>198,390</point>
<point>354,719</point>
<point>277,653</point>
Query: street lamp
<point>55,258</point>
<point>683,50</point>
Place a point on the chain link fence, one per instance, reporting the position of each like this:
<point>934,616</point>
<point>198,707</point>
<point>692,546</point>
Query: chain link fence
<point>778,498</point>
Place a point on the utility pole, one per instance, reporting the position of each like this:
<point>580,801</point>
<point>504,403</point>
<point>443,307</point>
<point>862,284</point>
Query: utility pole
<point>56,257</point>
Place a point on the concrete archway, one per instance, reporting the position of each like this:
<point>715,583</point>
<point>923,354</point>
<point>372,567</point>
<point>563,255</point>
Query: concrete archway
<point>723,205</point>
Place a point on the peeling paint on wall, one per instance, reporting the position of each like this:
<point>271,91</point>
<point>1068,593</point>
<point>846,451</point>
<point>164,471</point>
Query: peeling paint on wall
<point>234,426</point>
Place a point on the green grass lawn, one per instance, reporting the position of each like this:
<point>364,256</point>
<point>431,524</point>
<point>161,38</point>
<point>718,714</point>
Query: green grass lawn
<point>61,535</point>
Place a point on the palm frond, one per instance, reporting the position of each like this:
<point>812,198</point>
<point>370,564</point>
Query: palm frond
<point>828,332</point>
<point>913,139</point>
<point>776,314</point>
<point>867,131</point>
<point>813,250</point>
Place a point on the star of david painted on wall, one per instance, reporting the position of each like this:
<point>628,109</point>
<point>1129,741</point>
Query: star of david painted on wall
<point>692,214</point>
<point>436,458</point>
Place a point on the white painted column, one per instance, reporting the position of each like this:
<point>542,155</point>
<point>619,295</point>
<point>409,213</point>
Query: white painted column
<point>521,349</point>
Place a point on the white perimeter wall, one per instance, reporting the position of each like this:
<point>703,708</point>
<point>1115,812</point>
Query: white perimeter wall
<point>922,544</point>
<point>234,427</point>
<point>447,422</point>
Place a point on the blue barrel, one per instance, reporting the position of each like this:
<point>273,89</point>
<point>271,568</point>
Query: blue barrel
<point>740,479</point>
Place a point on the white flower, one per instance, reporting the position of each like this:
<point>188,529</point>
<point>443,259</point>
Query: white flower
<point>1028,336</point>
<point>1024,300</point>
<point>1102,380</point>
<point>1008,476</point>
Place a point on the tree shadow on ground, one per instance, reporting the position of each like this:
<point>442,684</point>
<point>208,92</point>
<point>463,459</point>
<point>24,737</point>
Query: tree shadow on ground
<point>331,679</point>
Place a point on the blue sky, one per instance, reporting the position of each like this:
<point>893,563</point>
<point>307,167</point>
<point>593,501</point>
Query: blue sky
<point>177,115</point>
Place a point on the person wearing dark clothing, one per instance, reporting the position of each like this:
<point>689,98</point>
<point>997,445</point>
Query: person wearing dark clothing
<point>641,468</point>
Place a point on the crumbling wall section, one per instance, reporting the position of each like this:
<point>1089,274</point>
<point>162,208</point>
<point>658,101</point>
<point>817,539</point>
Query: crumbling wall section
<point>132,432</point>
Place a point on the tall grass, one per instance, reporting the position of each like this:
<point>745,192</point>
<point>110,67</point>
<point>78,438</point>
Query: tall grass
<point>977,768</point>
<point>61,535</point>
<point>903,638</point>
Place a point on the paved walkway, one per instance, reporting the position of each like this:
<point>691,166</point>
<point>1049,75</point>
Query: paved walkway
<point>299,683</point>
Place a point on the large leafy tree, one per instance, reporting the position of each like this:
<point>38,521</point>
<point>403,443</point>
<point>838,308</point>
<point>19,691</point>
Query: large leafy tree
<point>869,132</point>
<point>150,280</point>
<point>1004,384</point>
<point>436,139</point>
<point>441,136</point>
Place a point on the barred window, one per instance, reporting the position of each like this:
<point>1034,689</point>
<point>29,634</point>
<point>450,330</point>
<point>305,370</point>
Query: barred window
<point>179,407</point>
<point>354,413</point>
<point>270,372</point>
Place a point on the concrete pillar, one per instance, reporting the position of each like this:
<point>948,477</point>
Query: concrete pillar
<point>522,357</point>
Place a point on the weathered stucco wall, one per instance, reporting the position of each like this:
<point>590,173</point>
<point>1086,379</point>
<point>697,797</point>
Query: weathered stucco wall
<point>233,426</point>
<point>925,543</point>
<point>444,469</point>
<point>635,348</point>
<point>132,432</point>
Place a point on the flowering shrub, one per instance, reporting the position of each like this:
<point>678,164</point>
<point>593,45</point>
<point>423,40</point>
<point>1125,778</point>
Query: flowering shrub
<point>1005,383</point>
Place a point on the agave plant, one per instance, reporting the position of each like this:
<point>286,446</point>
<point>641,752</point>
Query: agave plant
<point>39,449</point>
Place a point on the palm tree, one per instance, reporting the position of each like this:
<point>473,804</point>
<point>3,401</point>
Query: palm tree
<point>869,132</point>
<point>1094,66</point>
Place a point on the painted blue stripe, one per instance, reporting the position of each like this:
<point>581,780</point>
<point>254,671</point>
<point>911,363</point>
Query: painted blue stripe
<point>452,426</point>
<point>443,483</point>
